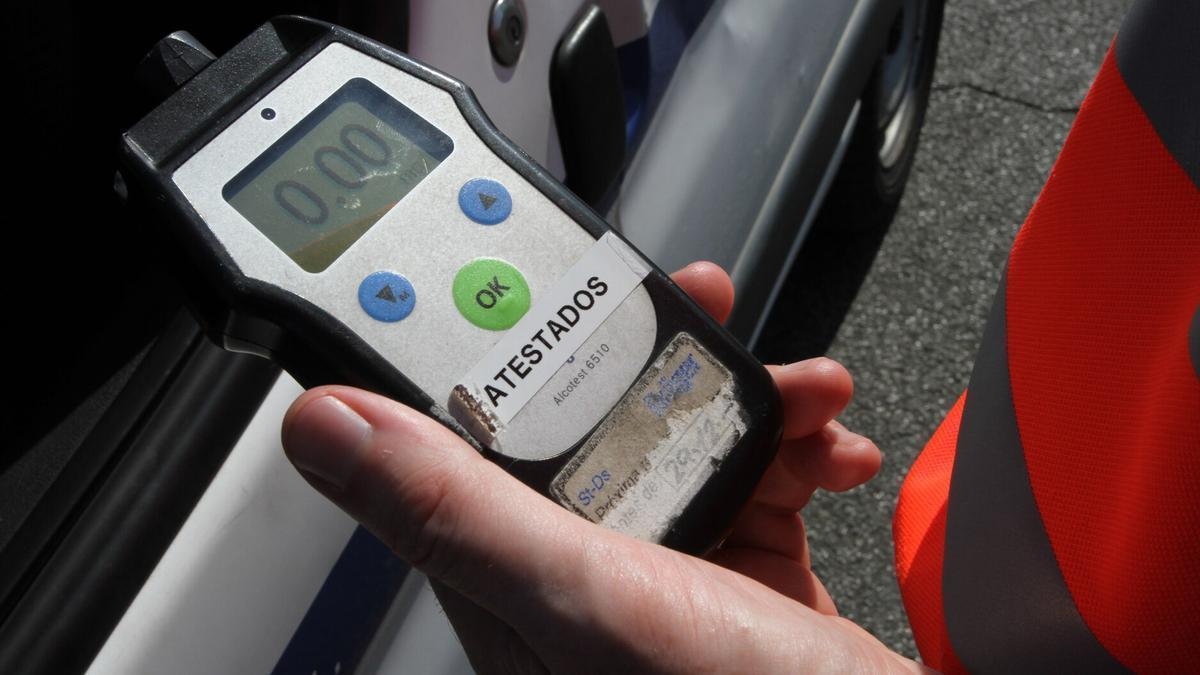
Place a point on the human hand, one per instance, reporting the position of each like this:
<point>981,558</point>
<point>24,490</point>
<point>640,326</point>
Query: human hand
<point>530,587</point>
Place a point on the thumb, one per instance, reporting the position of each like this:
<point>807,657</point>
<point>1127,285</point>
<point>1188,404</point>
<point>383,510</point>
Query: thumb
<point>571,592</point>
<point>434,500</point>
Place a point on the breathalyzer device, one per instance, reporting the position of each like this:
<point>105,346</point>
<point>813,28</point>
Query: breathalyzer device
<point>354,215</point>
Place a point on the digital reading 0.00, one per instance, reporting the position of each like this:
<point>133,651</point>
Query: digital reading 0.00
<point>331,177</point>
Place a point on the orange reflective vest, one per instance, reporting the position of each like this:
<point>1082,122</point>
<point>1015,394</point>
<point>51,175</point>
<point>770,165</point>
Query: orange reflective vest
<point>1052,523</point>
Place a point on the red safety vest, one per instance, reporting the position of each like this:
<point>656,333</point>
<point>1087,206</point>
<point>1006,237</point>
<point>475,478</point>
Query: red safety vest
<point>1052,523</point>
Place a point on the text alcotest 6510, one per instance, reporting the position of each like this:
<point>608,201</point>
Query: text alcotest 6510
<point>353,215</point>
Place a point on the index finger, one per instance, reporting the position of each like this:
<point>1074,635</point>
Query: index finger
<point>709,286</point>
<point>813,391</point>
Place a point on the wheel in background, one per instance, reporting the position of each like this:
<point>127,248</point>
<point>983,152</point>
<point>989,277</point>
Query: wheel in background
<point>879,158</point>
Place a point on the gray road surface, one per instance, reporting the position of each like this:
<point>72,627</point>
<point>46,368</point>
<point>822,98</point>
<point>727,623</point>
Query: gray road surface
<point>1011,74</point>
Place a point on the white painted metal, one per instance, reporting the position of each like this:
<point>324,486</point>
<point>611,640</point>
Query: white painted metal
<point>240,574</point>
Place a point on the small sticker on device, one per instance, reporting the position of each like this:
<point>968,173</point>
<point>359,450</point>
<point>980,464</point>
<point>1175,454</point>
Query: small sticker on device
<point>660,444</point>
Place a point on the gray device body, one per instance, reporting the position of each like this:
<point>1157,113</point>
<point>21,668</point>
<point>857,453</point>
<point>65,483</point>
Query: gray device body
<point>603,386</point>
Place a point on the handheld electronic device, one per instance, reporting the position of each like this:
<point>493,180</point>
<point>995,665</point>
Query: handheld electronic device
<point>354,215</point>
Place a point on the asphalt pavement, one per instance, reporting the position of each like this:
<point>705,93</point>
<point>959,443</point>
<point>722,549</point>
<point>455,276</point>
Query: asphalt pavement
<point>1010,77</point>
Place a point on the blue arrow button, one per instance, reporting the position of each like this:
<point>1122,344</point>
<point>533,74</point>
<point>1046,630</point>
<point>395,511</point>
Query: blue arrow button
<point>485,201</point>
<point>387,296</point>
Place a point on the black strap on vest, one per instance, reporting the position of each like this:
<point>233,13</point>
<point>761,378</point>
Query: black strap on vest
<point>1158,54</point>
<point>1007,607</point>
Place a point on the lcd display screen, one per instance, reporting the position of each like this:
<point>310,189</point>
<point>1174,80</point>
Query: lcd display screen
<point>321,186</point>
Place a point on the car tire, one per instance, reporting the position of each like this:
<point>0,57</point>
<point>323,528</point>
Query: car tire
<point>879,157</point>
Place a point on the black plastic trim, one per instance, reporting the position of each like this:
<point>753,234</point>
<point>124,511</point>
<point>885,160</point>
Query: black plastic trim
<point>33,542</point>
<point>589,106</point>
<point>166,444</point>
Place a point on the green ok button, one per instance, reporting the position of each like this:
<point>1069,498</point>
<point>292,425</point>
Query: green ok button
<point>491,293</point>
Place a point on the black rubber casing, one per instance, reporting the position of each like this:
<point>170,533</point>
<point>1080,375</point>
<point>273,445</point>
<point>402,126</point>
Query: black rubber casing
<point>245,314</point>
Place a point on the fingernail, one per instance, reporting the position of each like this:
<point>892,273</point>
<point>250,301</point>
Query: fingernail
<point>326,439</point>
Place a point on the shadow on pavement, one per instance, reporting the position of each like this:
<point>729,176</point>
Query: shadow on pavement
<point>819,289</point>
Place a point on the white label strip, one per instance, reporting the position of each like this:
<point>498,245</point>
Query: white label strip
<point>555,327</point>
